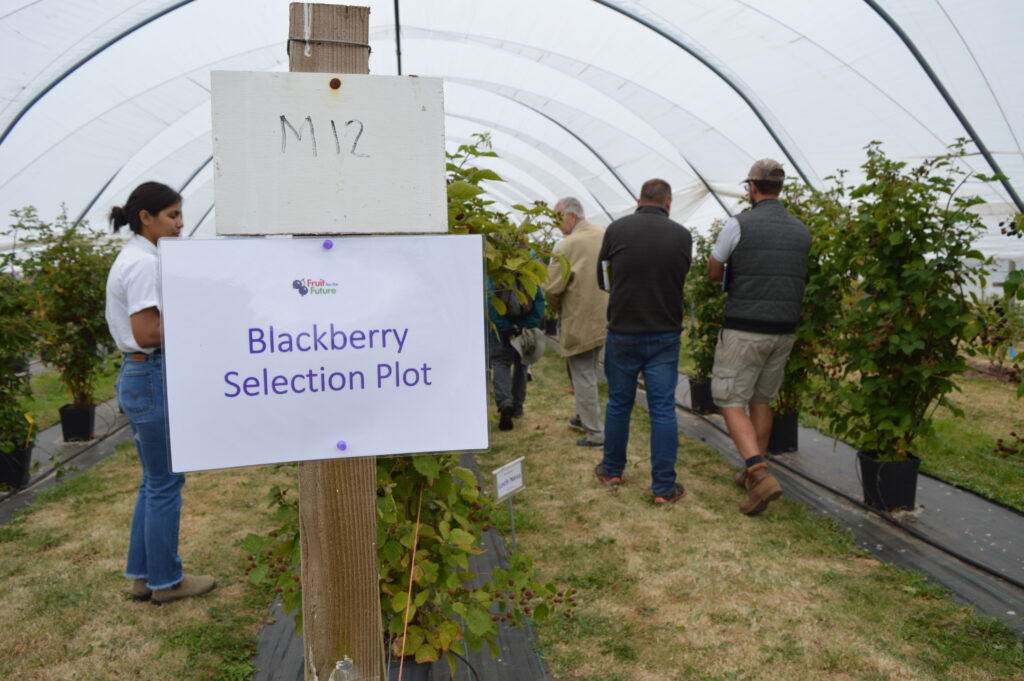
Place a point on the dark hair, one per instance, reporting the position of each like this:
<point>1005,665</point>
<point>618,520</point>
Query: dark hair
<point>655,191</point>
<point>151,197</point>
<point>768,187</point>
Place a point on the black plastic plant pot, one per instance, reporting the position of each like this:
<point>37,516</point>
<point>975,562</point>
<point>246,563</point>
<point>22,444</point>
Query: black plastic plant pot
<point>76,423</point>
<point>783,437</point>
<point>411,670</point>
<point>14,467</point>
<point>700,396</point>
<point>888,485</point>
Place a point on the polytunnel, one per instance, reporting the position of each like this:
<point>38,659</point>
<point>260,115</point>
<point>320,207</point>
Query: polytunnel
<point>582,97</point>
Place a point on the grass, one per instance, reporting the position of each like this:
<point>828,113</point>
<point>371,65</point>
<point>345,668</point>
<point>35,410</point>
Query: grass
<point>68,615</point>
<point>962,451</point>
<point>698,591</point>
<point>49,393</point>
<point>693,591</point>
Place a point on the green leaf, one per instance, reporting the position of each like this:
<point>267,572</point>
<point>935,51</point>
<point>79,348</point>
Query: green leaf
<point>253,543</point>
<point>1014,284</point>
<point>391,552</point>
<point>484,174</point>
<point>478,620</point>
<point>399,601</point>
<point>414,637</point>
<point>426,465</point>
<point>428,571</point>
<point>465,475</point>
<point>461,538</point>
<point>448,633</point>
<point>462,191</point>
<point>426,653</point>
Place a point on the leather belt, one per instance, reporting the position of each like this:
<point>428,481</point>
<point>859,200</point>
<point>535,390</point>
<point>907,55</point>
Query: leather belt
<point>141,356</point>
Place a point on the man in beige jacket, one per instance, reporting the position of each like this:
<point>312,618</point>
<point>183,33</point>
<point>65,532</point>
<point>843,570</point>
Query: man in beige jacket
<point>583,308</point>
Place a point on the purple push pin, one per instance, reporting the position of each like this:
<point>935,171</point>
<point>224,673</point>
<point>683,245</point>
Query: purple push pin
<point>342,445</point>
<point>328,244</point>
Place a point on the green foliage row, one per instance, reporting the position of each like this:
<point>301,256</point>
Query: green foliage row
<point>887,316</point>
<point>813,363</point>
<point>17,341</point>
<point>52,301</point>
<point>706,305</point>
<point>68,273</point>
<point>907,259</point>
<point>512,252</point>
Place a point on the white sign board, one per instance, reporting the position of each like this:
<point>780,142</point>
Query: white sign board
<point>508,479</point>
<point>285,350</point>
<point>318,153</point>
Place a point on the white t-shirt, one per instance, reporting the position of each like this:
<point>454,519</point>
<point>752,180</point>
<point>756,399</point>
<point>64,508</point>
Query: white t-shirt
<point>132,286</point>
<point>727,240</point>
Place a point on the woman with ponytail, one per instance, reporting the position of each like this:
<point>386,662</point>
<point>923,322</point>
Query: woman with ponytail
<point>153,212</point>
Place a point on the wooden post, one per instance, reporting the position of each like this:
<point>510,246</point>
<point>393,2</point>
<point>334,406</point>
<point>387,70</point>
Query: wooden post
<point>337,499</point>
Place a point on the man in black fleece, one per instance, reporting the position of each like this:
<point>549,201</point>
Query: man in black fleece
<point>643,263</point>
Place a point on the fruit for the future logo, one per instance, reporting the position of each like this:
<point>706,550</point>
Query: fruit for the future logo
<point>318,287</point>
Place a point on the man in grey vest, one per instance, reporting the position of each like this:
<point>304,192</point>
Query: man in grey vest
<point>766,250</point>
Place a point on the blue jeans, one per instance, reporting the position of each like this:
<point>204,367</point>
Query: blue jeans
<point>153,545</point>
<point>657,355</point>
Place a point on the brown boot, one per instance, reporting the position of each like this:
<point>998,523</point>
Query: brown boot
<point>140,592</point>
<point>741,479</point>
<point>191,585</point>
<point>762,488</point>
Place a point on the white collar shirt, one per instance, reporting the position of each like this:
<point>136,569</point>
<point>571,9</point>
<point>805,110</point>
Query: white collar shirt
<point>133,285</point>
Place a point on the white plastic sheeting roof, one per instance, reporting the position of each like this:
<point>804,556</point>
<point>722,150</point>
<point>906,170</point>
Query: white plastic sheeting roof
<point>588,97</point>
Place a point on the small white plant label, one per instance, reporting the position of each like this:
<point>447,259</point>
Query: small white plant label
<point>508,479</point>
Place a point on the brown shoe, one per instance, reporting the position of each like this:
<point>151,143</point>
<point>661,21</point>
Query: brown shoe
<point>191,585</point>
<point>140,592</point>
<point>762,489</point>
<point>741,479</point>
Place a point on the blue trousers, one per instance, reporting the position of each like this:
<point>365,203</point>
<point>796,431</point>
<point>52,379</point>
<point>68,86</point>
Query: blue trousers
<point>153,543</point>
<point>657,355</point>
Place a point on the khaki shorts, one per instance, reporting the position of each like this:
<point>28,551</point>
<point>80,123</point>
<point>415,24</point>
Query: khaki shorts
<point>748,367</point>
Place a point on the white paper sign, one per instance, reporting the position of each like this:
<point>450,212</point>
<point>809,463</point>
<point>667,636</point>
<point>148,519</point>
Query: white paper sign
<point>320,153</point>
<point>508,479</point>
<point>284,350</point>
